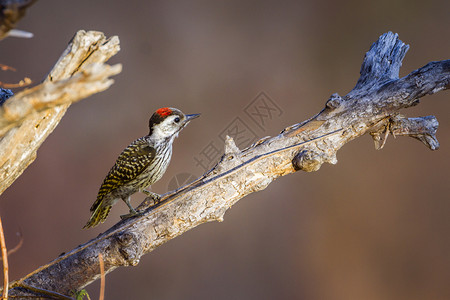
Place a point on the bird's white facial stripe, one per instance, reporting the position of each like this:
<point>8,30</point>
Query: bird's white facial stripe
<point>167,128</point>
<point>169,125</point>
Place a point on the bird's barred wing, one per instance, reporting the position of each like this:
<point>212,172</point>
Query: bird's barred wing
<point>130,163</point>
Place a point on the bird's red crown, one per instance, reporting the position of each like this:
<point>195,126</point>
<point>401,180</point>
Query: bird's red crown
<point>163,112</point>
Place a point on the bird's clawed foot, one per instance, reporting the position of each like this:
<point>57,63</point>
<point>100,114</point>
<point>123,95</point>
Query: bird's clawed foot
<point>155,196</point>
<point>149,201</point>
<point>132,213</point>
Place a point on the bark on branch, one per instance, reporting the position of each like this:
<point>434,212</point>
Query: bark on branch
<point>371,107</point>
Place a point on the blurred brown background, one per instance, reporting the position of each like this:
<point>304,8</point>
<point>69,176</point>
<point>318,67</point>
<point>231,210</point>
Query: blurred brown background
<point>374,226</point>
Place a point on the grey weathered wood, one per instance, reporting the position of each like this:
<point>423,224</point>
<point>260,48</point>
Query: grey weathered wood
<point>371,107</point>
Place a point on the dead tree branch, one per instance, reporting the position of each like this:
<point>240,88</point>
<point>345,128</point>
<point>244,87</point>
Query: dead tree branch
<point>31,115</point>
<point>4,261</point>
<point>371,107</point>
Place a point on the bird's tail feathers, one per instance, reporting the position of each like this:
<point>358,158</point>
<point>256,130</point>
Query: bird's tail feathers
<point>99,214</point>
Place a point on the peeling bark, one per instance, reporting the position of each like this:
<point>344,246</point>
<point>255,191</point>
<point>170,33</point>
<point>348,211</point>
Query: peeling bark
<point>371,107</point>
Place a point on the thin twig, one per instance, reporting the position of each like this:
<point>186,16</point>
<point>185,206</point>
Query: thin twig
<point>102,278</point>
<point>7,68</point>
<point>5,263</point>
<point>24,82</point>
<point>17,247</point>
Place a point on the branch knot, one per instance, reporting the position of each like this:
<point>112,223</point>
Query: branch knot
<point>334,101</point>
<point>308,160</point>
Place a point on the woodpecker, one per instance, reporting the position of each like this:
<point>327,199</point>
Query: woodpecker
<point>141,164</point>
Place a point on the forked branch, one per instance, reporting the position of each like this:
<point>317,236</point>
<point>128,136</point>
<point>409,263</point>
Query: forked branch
<point>371,107</point>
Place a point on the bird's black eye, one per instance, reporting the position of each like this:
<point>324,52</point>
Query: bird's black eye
<point>177,120</point>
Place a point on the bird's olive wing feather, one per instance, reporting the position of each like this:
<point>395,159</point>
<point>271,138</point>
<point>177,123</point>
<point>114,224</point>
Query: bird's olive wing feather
<point>130,163</point>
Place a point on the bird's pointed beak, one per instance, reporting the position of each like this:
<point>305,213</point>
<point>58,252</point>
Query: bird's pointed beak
<point>191,117</point>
